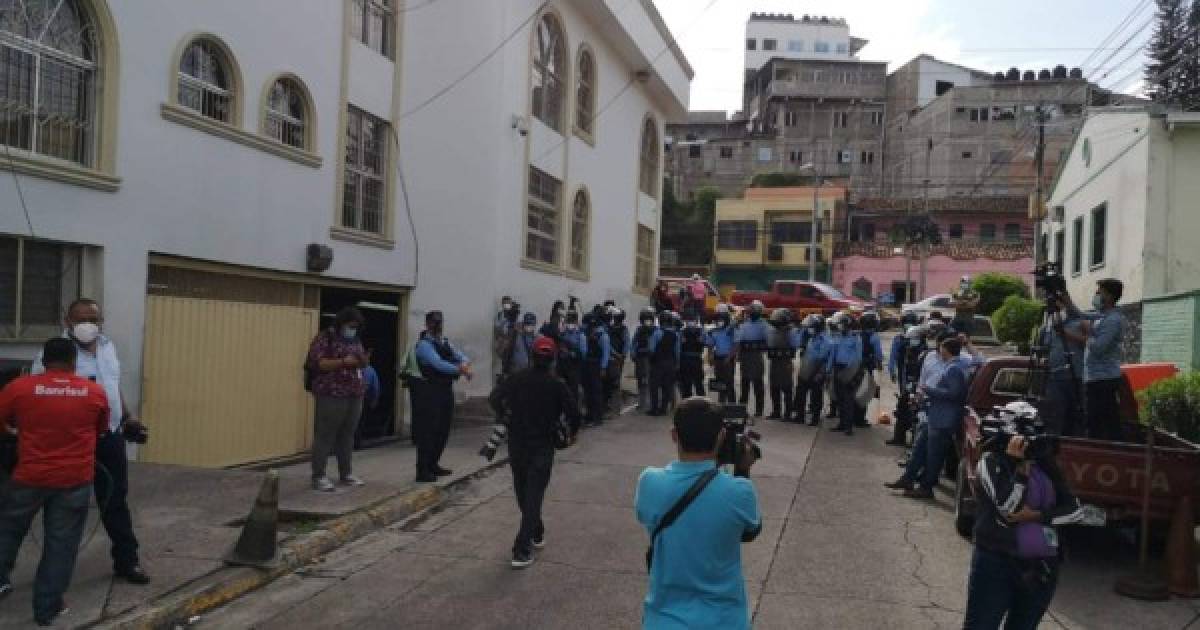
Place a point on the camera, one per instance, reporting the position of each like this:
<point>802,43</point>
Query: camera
<point>1018,418</point>
<point>1048,278</point>
<point>737,434</point>
<point>513,313</point>
<point>134,434</point>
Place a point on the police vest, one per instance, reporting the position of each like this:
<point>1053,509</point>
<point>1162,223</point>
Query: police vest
<point>757,345</point>
<point>784,351</point>
<point>594,351</point>
<point>616,338</point>
<point>641,341</point>
<point>665,352</point>
<point>569,348</point>
<point>868,348</point>
<point>692,343</point>
<point>446,353</point>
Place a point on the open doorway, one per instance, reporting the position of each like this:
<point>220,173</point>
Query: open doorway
<point>381,335</point>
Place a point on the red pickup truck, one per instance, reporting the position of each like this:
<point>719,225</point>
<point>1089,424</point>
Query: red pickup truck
<point>1103,473</point>
<point>801,298</point>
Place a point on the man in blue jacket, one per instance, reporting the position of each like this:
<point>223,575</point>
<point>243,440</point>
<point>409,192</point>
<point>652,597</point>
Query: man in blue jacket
<point>845,362</point>
<point>595,365</point>
<point>722,353</point>
<point>751,338</point>
<point>810,379</point>
<point>944,403</point>
<point>441,364</point>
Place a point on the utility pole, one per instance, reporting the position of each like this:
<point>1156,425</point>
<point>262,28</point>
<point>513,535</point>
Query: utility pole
<point>1037,200</point>
<point>908,292</point>
<point>924,245</point>
<point>812,229</point>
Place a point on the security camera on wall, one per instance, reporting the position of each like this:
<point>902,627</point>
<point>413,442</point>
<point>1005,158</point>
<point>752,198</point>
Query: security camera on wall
<point>520,124</point>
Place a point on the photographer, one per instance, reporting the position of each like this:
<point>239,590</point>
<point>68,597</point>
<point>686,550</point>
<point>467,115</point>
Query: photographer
<point>696,578</point>
<point>1102,332</point>
<point>1064,366</point>
<point>1014,569</point>
<point>943,392</point>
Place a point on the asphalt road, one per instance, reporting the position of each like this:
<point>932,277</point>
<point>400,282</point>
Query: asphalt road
<point>837,551</point>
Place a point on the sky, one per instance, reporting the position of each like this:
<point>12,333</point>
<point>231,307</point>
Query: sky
<point>991,36</point>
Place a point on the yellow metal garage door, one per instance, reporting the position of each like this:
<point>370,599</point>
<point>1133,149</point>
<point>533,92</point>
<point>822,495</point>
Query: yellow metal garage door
<point>222,381</point>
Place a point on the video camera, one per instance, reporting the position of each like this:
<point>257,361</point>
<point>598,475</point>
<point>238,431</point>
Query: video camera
<point>737,434</point>
<point>1013,419</point>
<point>1048,278</point>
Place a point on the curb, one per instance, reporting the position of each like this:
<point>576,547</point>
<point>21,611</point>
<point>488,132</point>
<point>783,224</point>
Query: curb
<point>180,607</point>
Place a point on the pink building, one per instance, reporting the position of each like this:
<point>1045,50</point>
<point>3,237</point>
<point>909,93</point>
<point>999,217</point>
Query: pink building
<point>978,235</point>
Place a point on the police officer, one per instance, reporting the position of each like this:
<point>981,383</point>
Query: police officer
<point>595,365</point>
<point>722,351</point>
<point>810,380</point>
<point>572,348</point>
<point>520,354</point>
<point>872,357</point>
<point>641,349</point>
<point>554,324</point>
<point>904,366</point>
<point>845,364</point>
<point>781,354</point>
<point>504,331</point>
<point>751,338</point>
<point>691,359</point>
<point>441,364</point>
<point>1064,361</point>
<point>665,348</point>
<point>618,339</point>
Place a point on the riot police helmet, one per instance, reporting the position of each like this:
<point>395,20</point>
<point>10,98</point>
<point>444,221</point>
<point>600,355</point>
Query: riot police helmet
<point>869,321</point>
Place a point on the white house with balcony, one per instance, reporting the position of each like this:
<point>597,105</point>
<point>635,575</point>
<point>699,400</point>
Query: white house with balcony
<point>224,175</point>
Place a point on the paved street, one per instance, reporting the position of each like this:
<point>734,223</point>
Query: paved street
<point>836,552</point>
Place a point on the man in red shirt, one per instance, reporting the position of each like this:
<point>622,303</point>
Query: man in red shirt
<point>58,417</point>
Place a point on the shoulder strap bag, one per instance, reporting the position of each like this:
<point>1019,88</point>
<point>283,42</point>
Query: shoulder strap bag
<point>676,510</point>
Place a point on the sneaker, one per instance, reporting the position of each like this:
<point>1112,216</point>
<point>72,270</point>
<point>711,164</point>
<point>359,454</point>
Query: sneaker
<point>426,477</point>
<point>50,619</point>
<point>134,575</point>
<point>521,559</point>
<point>323,484</point>
<point>540,542</point>
<point>351,480</point>
<point>899,484</point>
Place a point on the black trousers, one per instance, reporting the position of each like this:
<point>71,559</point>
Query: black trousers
<point>906,418</point>
<point>723,371</point>
<point>593,394</point>
<point>662,386</point>
<point>112,493</point>
<point>752,378</point>
<point>433,410</point>
<point>814,391</point>
<point>782,389</point>
<point>691,377</point>
<point>1103,410</point>
<point>570,372</point>
<point>612,377</point>
<point>847,408</point>
<point>531,464</point>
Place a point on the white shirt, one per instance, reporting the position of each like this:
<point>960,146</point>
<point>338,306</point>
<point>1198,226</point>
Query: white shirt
<point>101,367</point>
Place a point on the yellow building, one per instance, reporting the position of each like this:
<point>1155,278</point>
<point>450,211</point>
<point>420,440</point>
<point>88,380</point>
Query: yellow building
<point>765,236</point>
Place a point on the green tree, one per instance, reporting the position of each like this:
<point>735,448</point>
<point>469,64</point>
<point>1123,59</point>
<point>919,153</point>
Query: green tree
<point>1016,320</point>
<point>1189,75</point>
<point>995,287</point>
<point>1166,51</point>
<point>688,225</point>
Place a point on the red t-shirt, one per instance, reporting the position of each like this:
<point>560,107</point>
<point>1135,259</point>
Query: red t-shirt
<point>57,416</point>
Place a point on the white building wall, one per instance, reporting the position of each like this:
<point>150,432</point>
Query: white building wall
<point>808,33</point>
<point>931,71</point>
<point>466,165</point>
<point>1118,174</point>
<point>191,194</point>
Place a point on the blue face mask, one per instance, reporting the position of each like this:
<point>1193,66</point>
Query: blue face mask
<point>349,333</point>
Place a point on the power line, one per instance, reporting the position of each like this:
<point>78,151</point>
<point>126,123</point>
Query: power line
<point>1114,53</point>
<point>1137,9</point>
<point>20,192</point>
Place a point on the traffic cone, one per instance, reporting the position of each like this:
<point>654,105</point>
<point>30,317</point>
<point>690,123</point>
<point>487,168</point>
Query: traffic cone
<point>1181,551</point>
<point>256,546</point>
<point>885,418</point>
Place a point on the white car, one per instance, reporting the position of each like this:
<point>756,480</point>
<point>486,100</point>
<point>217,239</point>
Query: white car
<point>941,302</point>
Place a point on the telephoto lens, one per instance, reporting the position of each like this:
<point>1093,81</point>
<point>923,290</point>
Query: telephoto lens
<point>499,434</point>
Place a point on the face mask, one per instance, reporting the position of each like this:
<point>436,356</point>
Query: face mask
<point>647,322</point>
<point>572,327</point>
<point>349,332</point>
<point>529,328</point>
<point>85,332</point>
<point>1097,302</point>
<point>507,306</point>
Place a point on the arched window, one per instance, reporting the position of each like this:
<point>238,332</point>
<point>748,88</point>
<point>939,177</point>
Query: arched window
<point>649,164</point>
<point>579,231</point>
<point>206,80</point>
<point>549,72</point>
<point>287,115</point>
<point>585,92</point>
<point>48,79</point>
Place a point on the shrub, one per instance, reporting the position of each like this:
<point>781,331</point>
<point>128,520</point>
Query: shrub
<point>1174,404</point>
<point>1016,321</point>
<point>994,287</point>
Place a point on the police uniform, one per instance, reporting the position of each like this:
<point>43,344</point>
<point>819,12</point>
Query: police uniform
<point>640,347</point>
<point>845,363</point>
<point>595,365</point>
<point>618,339</point>
<point>664,363</point>
<point>691,361</point>
<point>439,363</point>
<point>721,346</point>
<point>751,338</point>
<point>817,348</point>
<point>572,348</point>
<point>781,355</point>
<point>872,360</point>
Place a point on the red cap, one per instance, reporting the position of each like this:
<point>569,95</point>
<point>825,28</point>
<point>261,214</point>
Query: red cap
<point>544,347</point>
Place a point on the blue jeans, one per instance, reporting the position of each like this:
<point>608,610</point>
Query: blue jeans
<point>1001,586</point>
<point>64,512</point>
<point>928,455</point>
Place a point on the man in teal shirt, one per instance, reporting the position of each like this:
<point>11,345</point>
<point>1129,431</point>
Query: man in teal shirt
<point>696,576</point>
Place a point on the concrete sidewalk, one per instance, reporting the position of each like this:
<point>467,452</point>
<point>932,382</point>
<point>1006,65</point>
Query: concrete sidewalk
<point>184,518</point>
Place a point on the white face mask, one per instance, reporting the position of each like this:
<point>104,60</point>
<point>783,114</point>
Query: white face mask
<point>1097,302</point>
<point>349,332</point>
<point>572,327</point>
<point>85,332</point>
<point>529,329</point>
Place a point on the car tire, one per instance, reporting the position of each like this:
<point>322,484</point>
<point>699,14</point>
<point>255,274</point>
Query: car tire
<point>964,510</point>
